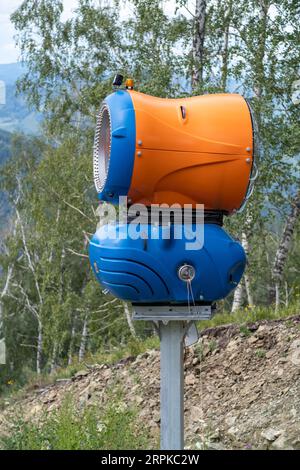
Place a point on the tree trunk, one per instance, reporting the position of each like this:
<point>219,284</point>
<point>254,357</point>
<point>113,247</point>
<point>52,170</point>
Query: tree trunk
<point>70,352</point>
<point>129,320</point>
<point>287,294</point>
<point>238,293</point>
<point>53,365</point>
<point>39,348</point>
<point>3,294</point>
<point>248,290</point>
<point>198,44</point>
<point>245,245</point>
<point>225,55</point>
<point>283,251</point>
<point>62,270</point>
<point>84,336</point>
<point>237,297</point>
<point>259,71</point>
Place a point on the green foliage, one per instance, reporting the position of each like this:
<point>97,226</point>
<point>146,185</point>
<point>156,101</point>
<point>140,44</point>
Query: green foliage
<point>151,37</point>
<point>245,331</point>
<point>199,351</point>
<point>261,353</point>
<point>115,428</point>
<point>66,59</point>
<point>137,346</point>
<point>71,63</point>
<point>212,345</point>
<point>52,197</point>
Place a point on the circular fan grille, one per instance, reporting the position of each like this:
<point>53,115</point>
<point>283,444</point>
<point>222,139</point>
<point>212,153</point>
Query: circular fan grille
<point>256,155</point>
<point>102,144</point>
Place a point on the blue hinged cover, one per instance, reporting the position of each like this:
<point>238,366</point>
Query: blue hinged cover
<point>145,271</point>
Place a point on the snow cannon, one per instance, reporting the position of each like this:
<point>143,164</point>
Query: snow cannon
<point>163,152</point>
<point>192,161</point>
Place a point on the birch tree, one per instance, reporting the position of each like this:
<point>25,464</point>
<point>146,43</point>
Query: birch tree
<point>3,293</point>
<point>283,250</point>
<point>198,45</point>
<point>129,320</point>
<point>84,338</point>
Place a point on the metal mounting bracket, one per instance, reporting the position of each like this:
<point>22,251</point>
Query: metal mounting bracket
<point>166,313</point>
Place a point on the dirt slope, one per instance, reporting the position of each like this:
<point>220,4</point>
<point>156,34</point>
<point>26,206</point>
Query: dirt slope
<point>242,388</point>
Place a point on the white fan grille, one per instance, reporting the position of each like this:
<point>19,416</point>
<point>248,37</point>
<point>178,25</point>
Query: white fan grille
<point>256,155</point>
<point>102,146</point>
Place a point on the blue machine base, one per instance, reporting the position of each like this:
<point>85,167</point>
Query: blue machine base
<point>146,270</point>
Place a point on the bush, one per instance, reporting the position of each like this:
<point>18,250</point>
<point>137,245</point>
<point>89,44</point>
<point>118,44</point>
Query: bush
<point>115,428</point>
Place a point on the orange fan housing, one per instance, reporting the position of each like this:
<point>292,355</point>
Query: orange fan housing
<point>192,150</point>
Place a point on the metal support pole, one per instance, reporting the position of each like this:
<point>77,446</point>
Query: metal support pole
<point>171,384</point>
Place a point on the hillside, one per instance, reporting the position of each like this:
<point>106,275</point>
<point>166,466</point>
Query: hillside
<point>242,388</point>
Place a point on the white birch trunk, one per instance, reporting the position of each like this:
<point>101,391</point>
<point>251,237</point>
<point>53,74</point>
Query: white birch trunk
<point>248,290</point>
<point>226,46</point>
<point>129,320</point>
<point>53,365</point>
<point>70,352</point>
<point>2,295</point>
<point>283,250</point>
<point>83,341</point>
<point>39,349</point>
<point>245,245</point>
<point>287,294</point>
<point>4,292</point>
<point>198,43</point>
<point>237,298</point>
<point>33,309</point>
<point>238,293</point>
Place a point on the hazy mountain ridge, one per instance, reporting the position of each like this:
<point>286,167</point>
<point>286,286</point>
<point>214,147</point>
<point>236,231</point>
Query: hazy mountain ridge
<point>5,142</point>
<point>15,114</point>
<point>5,153</point>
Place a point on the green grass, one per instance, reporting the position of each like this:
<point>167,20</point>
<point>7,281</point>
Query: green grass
<point>114,428</point>
<point>134,347</point>
<point>261,353</point>
<point>249,315</point>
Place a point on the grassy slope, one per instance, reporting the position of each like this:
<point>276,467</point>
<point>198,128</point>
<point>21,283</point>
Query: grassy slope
<point>138,346</point>
<point>93,428</point>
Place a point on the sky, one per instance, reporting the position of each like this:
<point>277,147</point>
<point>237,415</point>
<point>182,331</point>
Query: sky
<point>8,50</point>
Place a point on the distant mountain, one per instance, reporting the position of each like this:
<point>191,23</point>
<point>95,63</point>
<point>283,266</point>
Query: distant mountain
<point>10,73</point>
<point>15,114</point>
<point>5,141</point>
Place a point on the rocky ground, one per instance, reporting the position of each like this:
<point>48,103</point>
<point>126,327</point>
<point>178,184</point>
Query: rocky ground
<point>242,388</point>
